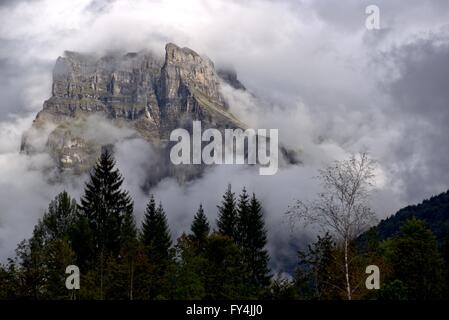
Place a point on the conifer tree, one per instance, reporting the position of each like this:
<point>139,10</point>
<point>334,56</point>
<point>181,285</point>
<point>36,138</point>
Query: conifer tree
<point>155,232</point>
<point>252,238</point>
<point>200,226</point>
<point>227,215</point>
<point>155,267</point>
<point>105,204</point>
<point>257,240</point>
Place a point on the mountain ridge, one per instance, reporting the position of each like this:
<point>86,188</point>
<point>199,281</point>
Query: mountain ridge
<point>434,211</point>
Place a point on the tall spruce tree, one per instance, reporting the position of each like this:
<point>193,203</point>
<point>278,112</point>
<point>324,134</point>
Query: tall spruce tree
<point>252,238</point>
<point>155,232</point>
<point>105,204</point>
<point>200,226</point>
<point>227,215</point>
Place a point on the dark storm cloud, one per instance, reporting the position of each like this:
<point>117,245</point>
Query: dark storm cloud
<point>421,100</point>
<point>422,89</point>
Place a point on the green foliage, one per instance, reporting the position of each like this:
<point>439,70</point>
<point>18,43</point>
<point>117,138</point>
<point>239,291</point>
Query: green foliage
<point>316,276</point>
<point>252,239</point>
<point>155,232</point>
<point>394,290</point>
<point>200,226</point>
<point>433,211</point>
<point>101,237</point>
<point>119,262</point>
<point>105,205</point>
<point>225,272</point>
<point>156,254</point>
<point>190,275</point>
<point>282,289</point>
<point>43,258</point>
<point>10,287</point>
<point>416,261</point>
<point>445,255</point>
<point>108,211</point>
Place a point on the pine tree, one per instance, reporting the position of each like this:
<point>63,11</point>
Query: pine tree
<point>252,238</point>
<point>200,226</point>
<point>155,232</point>
<point>227,215</point>
<point>155,267</point>
<point>105,205</point>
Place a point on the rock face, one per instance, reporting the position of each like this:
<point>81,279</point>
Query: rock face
<point>138,91</point>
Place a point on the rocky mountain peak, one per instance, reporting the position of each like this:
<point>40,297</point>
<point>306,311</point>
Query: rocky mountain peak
<point>188,67</point>
<point>145,92</point>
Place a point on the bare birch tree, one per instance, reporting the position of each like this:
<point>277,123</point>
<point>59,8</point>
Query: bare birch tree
<point>342,207</point>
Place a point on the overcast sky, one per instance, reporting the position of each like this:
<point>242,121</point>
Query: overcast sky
<point>331,86</point>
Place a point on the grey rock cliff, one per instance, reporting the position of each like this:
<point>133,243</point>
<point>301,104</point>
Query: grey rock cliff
<point>140,91</point>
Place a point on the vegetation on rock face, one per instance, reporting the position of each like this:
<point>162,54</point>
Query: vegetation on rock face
<point>120,260</point>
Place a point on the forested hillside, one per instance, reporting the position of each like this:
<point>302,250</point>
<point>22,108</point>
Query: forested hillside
<point>434,212</point>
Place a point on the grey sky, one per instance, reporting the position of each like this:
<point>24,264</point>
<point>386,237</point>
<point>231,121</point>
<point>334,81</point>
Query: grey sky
<point>332,86</point>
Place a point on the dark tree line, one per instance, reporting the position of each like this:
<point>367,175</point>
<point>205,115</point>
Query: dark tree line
<point>119,260</point>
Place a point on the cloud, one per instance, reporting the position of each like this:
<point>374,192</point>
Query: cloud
<point>26,190</point>
<point>312,70</point>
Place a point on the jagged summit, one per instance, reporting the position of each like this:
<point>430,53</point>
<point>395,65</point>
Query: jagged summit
<point>140,90</point>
